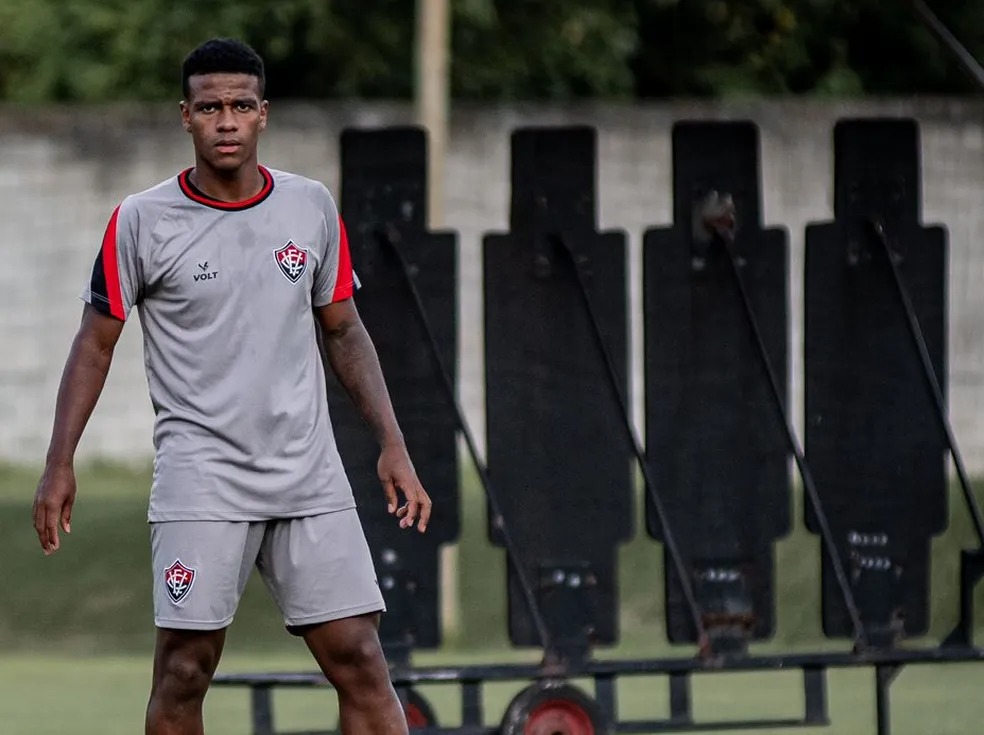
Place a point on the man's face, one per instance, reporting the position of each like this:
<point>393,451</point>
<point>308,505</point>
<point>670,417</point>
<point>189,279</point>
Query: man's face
<point>225,115</point>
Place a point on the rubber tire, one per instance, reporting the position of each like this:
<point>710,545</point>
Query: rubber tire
<point>549,708</point>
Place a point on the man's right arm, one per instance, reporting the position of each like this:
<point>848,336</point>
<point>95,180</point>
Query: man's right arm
<point>81,385</point>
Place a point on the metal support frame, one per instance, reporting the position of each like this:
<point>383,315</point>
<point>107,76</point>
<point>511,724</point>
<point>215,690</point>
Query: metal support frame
<point>971,573</point>
<point>885,663</point>
<point>605,674</point>
<point>561,663</point>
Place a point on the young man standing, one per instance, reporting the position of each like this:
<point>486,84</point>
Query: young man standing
<point>233,267</point>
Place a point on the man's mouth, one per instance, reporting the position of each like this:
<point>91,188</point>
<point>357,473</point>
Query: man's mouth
<point>227,146</point>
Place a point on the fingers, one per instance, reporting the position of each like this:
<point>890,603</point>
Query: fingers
<point>66,515</point>
<point>389,489</point>
<point>410,516</point>
<point>40,525</point>
<point>425,511</point>
<point>417,508</point>
<point>47,515</point>
<point>53,502</point>
<point>46,525</point>
<point>51,524</point>
<point>396,472</point>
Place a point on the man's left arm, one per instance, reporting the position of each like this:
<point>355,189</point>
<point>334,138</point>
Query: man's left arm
<point>352,357</point>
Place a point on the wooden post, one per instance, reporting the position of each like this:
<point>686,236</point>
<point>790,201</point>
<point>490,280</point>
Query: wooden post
<point>432,93</point>
<point>431,98</point>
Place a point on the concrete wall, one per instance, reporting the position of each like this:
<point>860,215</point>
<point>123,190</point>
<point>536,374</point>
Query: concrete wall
<point>63,171</point>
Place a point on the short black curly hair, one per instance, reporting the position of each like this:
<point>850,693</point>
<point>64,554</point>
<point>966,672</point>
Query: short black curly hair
<point>222,55</point>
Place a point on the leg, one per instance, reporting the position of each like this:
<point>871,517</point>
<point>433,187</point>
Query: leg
<point>350,656</point>
<point>201,568</point>
<point>321,574</point>
<point>184,663</point>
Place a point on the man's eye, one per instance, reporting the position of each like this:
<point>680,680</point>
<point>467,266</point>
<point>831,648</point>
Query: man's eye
<point>244,107</point>
<point>208,108</point>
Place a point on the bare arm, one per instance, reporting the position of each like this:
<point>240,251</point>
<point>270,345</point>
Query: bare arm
<point>352,357</point>
<point>81,385</point>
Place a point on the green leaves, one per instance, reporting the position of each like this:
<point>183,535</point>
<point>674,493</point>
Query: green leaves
<point>100,50</point>
<point>542,50</point>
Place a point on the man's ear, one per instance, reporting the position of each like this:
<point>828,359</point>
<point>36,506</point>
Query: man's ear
<point>185,115</point>
<point>264,109</point>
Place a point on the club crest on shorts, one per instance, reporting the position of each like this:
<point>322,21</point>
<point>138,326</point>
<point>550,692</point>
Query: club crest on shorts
<point>292,261</point>
<point>178,580</point>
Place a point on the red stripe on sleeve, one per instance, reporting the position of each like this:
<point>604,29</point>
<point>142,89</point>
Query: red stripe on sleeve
<point>111,269</point>
<point>344,282</point>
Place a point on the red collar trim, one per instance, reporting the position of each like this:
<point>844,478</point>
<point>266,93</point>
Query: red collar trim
<point>197,195</point>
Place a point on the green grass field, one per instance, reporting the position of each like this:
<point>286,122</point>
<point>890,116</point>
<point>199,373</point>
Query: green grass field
<point>76,630</point>
<point>105,695</point>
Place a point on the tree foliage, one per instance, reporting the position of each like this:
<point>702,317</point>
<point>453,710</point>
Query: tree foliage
<point>542,48</point>
<point>95,50</point>
<point>713,47</point>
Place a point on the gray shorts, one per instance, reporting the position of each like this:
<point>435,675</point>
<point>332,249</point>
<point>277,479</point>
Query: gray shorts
<point>317,568</point>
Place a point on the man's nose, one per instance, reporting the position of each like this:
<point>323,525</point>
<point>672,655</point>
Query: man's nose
<point>227,120</point>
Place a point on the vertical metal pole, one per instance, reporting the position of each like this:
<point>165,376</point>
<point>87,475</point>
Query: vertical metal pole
<point>883,707</point>
<point>262,707</point>
<point>471,703</point>
<point>815,696</point>
<point>605,696</point>
<point>680,700</point>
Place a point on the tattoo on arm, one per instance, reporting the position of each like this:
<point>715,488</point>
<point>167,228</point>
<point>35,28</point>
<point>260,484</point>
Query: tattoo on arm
<point>352,357</point>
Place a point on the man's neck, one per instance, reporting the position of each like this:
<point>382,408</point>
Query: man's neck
<point>233,186</point>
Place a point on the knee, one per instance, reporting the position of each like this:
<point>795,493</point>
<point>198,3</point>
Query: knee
<point>357,663</point>
<point>182,678</point>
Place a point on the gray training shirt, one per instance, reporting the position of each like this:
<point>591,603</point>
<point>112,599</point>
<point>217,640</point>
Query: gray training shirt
<point>225,294</point>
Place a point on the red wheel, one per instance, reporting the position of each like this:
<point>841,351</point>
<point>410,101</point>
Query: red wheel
<point>554,709</point>
<point>559,717</point>
<point>418,711</point>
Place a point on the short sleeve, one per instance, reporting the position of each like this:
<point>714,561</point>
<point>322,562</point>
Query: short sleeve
<point>113,284</point>
<point>334,280</point>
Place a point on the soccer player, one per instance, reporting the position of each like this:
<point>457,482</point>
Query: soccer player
<point>232,267</point>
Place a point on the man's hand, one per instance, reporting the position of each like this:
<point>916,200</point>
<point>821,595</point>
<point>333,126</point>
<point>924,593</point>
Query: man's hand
<point>353,359</point>
<point>53,503</point>
<point>81,383</point>
<point>396,471</point>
